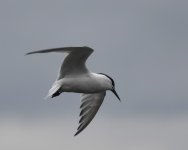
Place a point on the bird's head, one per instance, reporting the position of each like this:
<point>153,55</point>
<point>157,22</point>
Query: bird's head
<point>112,85</point>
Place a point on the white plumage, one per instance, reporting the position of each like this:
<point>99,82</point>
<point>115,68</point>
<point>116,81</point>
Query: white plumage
<point>75,77</point>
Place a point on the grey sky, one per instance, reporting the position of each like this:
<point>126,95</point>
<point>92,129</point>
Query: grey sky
<point>141,44</point>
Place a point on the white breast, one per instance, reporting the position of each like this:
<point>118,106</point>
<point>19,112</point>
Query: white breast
<point>85,83</point>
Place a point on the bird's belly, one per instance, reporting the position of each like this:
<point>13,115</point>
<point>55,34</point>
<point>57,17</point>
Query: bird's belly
<point>82,85</point>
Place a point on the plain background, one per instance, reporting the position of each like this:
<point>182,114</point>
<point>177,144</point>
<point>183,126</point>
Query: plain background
<point>142,44</point>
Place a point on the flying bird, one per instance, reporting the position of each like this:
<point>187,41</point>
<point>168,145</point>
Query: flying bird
<point>74,76</point>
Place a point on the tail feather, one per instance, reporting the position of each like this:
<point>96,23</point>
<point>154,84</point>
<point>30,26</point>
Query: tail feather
<point>54,91</point>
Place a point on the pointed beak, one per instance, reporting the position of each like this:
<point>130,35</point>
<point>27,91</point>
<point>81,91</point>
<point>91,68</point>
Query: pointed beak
<point>113,90</point>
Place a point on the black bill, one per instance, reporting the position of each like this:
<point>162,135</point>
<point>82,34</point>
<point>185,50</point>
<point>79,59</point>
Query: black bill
<point>116,94</point>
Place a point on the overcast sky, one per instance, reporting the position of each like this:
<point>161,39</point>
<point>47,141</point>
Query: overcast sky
<point>141,44</point>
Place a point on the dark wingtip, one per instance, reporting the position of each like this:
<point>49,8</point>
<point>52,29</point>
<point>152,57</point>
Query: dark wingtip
<point>28,53</point>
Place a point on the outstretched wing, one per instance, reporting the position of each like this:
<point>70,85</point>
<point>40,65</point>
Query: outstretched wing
<point>90,104</point>
<point>74,62</point>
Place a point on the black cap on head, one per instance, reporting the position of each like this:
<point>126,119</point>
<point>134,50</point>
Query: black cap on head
<point>113,84</point>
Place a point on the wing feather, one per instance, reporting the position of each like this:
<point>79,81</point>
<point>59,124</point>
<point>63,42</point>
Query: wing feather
<point>74,62</point>
<point>90,104</point>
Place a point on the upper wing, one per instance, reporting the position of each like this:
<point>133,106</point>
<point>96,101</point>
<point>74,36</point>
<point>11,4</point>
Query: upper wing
<point>74,62</point>
<point>90,104</point>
